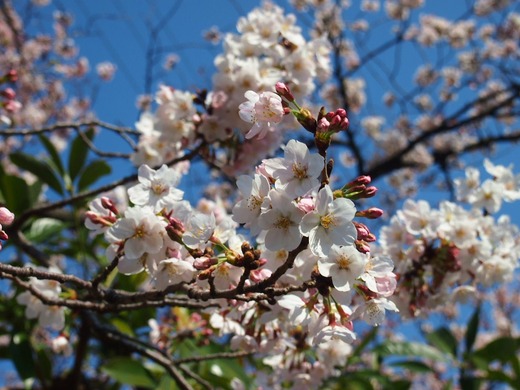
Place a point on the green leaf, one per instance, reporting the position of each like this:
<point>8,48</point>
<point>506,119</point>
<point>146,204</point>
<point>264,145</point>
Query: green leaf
<point>34,191</point>
<point>15,193</point>
<point>22,356</point>
<point>167,383</point>
<point>503,349</point>
<point>92,173</point>
<point>367,338</point>
<point>444,340</point>
<point>78,154</point>
<point>501,376</point>
<point>43,228</point>
<point>472,329</point>
<point>469,383</point>
<point>129,372</point>
<point>404,348</point>
<point>122,326</point>
<point>53,153</point>
<point>38,168</point>
<point>413,365</point>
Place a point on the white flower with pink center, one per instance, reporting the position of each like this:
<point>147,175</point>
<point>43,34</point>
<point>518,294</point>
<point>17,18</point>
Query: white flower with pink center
<point>344,264</point>
<point>330,223</point>
<point>141,230</point>
<point>281,221</point>
<point>156,188</point>
<point>253,191</point>
<point>263,110</point>
<point>173,271</point>
<point>373,311</point>
<point>379,276</point>
<point>298,172</point>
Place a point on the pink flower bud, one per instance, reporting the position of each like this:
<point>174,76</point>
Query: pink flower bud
<point>370,192</point>
<point>323,124</point>
<point>12,76</point>
<point>6,217</point>
<point>306,205</point>
<point>362,230</point>
<point>341,112</point>
<point>3,235</point>
<point>371,213</point>
<point>108,204</point>
<point>360,180</point>
<point>362,246</point>
<point>12,106</point>
<point>283,90</point>
<point>335,121</point>
<point>8,93</point>
<point>203,263</point>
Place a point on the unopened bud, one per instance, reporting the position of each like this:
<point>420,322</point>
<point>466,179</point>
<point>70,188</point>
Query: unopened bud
<point>6,216</point>
<point>12,76</point>
<point>370,192</point>
<point>323,125</point>
<point>203,263</point>
<point>108,204</point>
<point>362,230</point>
<point>204,275</point>
<point>360,180</point>
<point>246,247</point>
<point>12,106</point>
<point>341,112</point>
<point>283,90</point>
<point>305,118</point>
<point>3,235</point>
<point>8,93</point>
<point>362,246</point>
<point>371,213</point>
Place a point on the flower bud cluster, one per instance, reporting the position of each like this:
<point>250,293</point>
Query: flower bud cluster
<point>9,103</point>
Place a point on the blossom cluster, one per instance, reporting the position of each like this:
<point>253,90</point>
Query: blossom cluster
<point>446,253</point>
<point>51,316</point>
<point>294,217</point>
<point>269,47</point>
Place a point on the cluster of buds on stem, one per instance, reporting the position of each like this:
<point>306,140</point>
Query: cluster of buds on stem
<point>103,213</point>
<point>10,105</point>
<point>9,77</point>
<point>333,122</point>
<point>359,189</point>
<point>6,218</point>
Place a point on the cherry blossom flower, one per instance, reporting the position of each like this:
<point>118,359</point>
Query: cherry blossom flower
<point>373,311</point>
<point>172,271</point>
<point>298,172</point>
<point>299,313</point>
<point>330,223</point>
<point>48,316</point>
<point>281,221</point>
<point>199,230</point>
<point>6,216</point>
<point>140,229</point>
<point>253,190</point>
<point>344,264</point>
<point>263,110</point>
<point>156,188</point>
<point>378,275</point>
<point>61,345</point>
